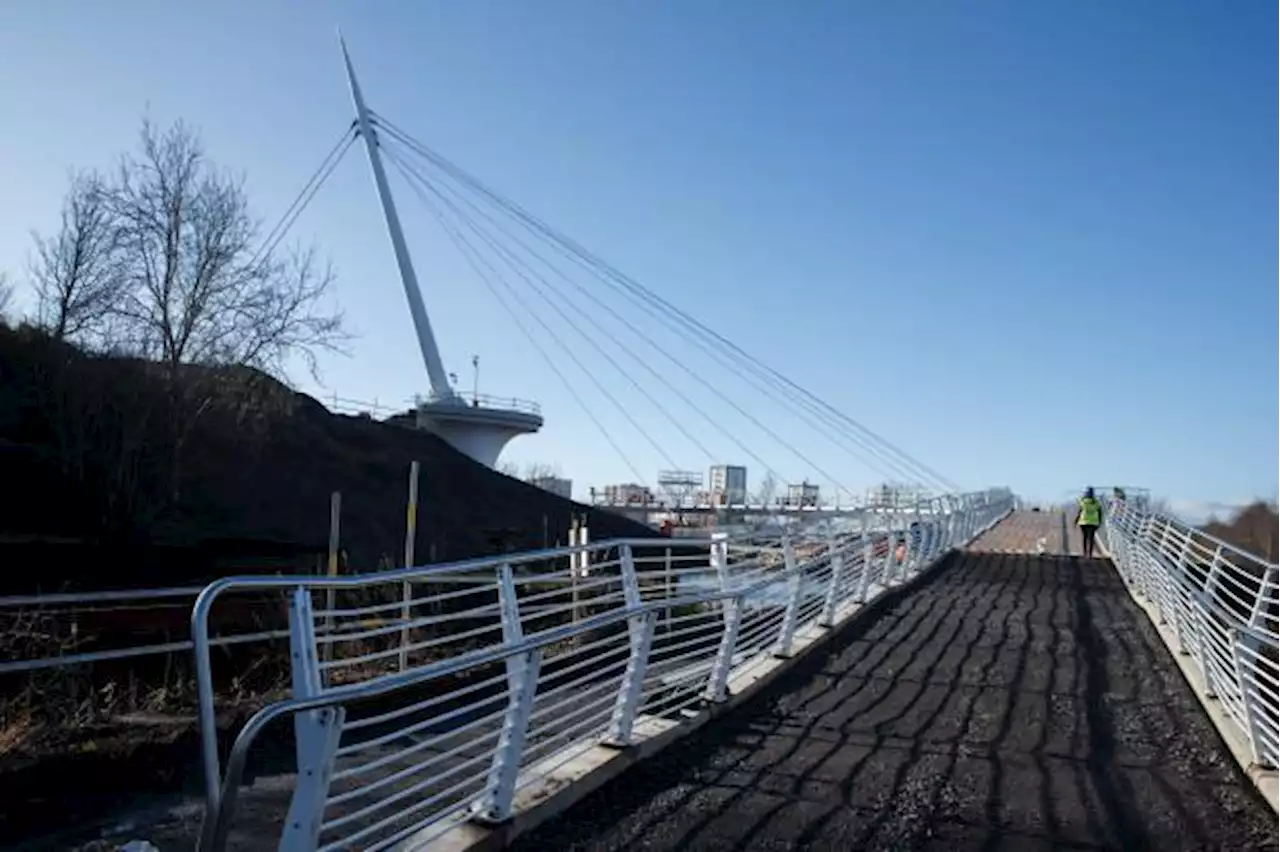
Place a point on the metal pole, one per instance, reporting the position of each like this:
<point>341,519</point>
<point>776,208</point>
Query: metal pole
<point>426,338</point>
<point>667,578</point>
<point>331,595</point>
<point>406,591</point>
<point>573,564</point>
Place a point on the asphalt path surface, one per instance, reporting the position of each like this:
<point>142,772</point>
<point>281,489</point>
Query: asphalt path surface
<point>1012,701</point>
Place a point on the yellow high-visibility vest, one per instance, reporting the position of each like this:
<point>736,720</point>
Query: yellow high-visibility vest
<point>1090,512</point>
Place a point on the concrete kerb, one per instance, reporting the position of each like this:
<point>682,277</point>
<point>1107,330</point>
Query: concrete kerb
<point>575,779</point>
<point>1267,781</point>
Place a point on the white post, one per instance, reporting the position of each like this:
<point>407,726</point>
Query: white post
<point>522,684</point>
<point>1247,642</point>
<point>1204,599</point>
<point>316,732</point>
<point>640,628</point>
<point>837,577</point>
<point>891,558</point>
<point>732,619</point>
<point>915,541</point>
<point>868,555</point>
<point>406,589</point>
<point>787,631</point>
<point>573,565</point>
<point>667,580</point>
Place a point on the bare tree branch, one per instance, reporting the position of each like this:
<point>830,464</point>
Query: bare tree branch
<point>768,489</point>
<point>198,293</point>
<point>6,295</point>
<point>75,272</point>
<point>540,470</point>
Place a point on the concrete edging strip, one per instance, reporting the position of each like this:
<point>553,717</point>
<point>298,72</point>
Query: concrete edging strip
<point>577,778</point>
<point>1267,781</point>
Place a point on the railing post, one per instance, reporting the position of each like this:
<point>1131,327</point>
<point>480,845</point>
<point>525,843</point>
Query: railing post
<point>719,677</point>
<point>667,586</point>
<point>868,554</point>
<point>782,647</point>
<point>316,732</point>
<point>946,522</point>
<point>1139,549</point>
<point>928,531</point>
<point>1243,640</point>
<point>837,577</point>
<point>1203,598</point>
<point>640,628</point>
<point>891,554</point>
<point>406,589</point>
<point>1240,640</point>
<point>908,550</point>
<point>522,684</point>
<point>915,541</point>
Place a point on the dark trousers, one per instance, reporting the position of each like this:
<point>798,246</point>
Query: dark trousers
<point>1087,534</point>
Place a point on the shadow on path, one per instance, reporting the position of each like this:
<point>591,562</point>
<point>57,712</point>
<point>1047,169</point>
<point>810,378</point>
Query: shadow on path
<point>1010,702</point>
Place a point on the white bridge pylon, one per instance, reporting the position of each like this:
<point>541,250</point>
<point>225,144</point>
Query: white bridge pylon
<point>479,426</point>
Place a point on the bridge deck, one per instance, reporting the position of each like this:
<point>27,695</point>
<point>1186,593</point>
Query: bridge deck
<point>1012,701</point>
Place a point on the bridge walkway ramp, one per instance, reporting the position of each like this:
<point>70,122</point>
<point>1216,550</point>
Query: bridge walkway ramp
<point>1010,701</point>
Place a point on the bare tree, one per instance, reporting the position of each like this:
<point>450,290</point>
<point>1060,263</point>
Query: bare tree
<point>6,296</point>
<point>163,261</point>
<point>510,469</point>
<point>540,470</point>
<point>75,272</point>
<point>768,489</point>
<point>198,287</point>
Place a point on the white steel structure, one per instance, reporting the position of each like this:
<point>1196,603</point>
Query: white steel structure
<point>480,426</point>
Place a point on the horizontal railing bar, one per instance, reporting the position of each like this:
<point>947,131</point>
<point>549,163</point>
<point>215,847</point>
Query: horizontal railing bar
<point>136,651</point>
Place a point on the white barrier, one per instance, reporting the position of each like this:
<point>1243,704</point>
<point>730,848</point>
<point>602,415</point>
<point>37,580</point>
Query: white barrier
<point>519,664</point>
<point>1219,605</point>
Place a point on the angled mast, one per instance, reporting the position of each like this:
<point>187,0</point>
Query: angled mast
<point>422,324</point>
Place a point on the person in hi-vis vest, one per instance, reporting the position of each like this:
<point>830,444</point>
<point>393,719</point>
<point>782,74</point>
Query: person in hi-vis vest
<point>1089,518</point>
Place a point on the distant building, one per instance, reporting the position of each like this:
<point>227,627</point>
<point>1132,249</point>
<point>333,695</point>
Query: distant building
<point>728,486</point>
<point>802,494</point>
<point>627,494</point>
<point>557,485</point>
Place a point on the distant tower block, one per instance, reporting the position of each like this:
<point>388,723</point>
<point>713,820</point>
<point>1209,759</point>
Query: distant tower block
<point>480,426</point>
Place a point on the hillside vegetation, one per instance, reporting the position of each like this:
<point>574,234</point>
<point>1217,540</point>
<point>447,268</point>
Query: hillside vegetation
<point>1254,528</point>
<point>91,460</point>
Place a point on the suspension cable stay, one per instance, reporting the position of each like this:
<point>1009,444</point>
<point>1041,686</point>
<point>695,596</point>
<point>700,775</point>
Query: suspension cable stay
<point>494,226</point>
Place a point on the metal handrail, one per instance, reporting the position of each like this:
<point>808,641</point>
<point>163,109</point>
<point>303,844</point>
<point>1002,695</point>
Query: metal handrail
<point>209,595</point>
<point>961,524</point>
<point>214,835</point>
<point>1198,587</point>
<point>482,400</point>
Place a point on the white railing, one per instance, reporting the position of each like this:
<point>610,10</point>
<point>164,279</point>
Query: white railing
<point>1220,606</point>
<point>516,665</point>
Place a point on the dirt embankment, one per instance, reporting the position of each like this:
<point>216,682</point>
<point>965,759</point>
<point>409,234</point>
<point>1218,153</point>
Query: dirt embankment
<point>118,474</point>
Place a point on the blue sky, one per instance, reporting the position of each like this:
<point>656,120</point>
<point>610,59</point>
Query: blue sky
<point>1032,243</point>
